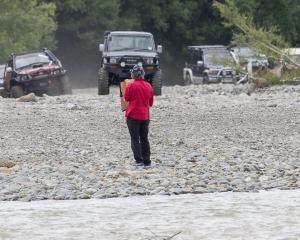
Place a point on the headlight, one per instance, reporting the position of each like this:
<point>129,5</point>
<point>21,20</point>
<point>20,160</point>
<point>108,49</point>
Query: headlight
<point>23,78</point>
<point>123,64</point>
<point>140,64</point>
<point>56,72</point>
<point>113,60</point>
<point>213,71</point>
<point>148,60</point>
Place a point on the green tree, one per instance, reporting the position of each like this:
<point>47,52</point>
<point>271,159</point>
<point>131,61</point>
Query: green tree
<point>82,22</point>
<point>283,13</point>
<point>25,25</point>
<point>265,39</point>
<point>175,23</point>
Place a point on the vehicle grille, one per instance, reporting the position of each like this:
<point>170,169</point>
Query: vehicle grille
<point>132,60</point>
<point>227,73</point>
<point>214,72</point>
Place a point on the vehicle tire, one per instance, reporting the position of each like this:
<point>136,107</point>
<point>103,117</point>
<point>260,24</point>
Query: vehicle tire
<point>103,82</point>
<point>16,91</point>
<point>55,89</point>
<point>4,94</point>
<point>205,79</point>
<point>65,85</point>
<point>235,80</point>
<point>187,80</point>
<point>157,83</point>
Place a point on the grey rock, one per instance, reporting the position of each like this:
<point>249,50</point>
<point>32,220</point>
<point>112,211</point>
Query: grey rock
<point>78,146</point>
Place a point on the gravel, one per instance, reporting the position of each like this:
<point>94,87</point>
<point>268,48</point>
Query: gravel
<point>211,138</point>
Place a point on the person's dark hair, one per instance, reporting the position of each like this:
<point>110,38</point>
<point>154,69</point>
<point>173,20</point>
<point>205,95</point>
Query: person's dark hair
<point>138,71</point>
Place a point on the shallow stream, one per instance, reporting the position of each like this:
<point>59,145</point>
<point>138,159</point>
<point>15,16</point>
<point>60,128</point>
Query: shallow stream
<point>263,215</point>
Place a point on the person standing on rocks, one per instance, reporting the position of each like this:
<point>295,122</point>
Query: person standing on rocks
<point>139,95</point>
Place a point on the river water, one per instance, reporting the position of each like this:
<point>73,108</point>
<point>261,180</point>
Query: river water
<point>262,215</point>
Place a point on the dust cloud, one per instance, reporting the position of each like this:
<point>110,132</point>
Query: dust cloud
<point>83,66</point>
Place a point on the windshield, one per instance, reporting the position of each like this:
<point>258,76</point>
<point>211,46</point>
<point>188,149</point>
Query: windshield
<point>218,57</point>
<point>130,42</point>
<point>296,58</point>
<point>2,71</point>
<point>245,52</point>
<point>31,59</point>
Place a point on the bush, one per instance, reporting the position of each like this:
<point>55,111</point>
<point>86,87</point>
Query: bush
<point>270,77</point>
<point>288,77</point>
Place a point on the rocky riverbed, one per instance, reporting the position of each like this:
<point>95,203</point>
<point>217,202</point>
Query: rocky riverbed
<point>211,138</point>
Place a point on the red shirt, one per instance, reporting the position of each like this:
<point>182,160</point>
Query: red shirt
<point>139,94</point>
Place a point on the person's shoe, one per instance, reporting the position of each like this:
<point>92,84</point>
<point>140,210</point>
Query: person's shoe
<point>146,166</point>
<point>137,164</point>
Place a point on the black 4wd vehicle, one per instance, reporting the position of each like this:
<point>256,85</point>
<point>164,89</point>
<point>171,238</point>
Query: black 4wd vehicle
<point>121,51</point>
<point>38,72</point>
<point>209,64</point>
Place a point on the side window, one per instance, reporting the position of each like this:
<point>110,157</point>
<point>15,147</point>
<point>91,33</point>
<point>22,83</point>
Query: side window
<point>190,56</point>
<point>198,56</point>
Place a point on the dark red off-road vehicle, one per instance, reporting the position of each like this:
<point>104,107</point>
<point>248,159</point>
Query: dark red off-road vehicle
<point>39,72</point>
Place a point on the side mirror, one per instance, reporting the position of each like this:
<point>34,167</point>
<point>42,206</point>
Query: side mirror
<point>101,47</point>
<point>159,48</point>
<point>200,63</point>
<point>8,70</point>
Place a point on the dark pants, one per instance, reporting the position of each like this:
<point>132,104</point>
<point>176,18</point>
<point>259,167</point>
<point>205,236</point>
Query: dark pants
<point>140,146</point>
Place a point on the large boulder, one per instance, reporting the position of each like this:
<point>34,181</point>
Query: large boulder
<point>27,98</point>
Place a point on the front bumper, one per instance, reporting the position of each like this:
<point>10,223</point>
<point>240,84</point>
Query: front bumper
<point>222,78</point>
<point>41,82</point>
<point>124,72</point>
<point>257,65</point>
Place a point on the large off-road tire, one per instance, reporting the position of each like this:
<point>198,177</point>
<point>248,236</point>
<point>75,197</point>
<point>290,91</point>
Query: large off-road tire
<point>205,79</point>
<point>65,85</point>
<point>4,94</point>
<point>103,82</point>
<point>187,79</point>
<point>55,89</point>
<point>16,91</point>
<point>157,83</point>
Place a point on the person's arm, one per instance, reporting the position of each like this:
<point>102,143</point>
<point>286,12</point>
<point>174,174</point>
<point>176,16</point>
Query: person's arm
<point>127,93</point>
<point>151,99</point>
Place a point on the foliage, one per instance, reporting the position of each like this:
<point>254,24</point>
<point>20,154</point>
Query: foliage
<point>272,78</point>
<point>84,21</point>
<point>25,25</point>
<point>175,23</point>
<point>265,40</point>
<point>285,14</point>
<point>288,76</point>
<point>267,25</point>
